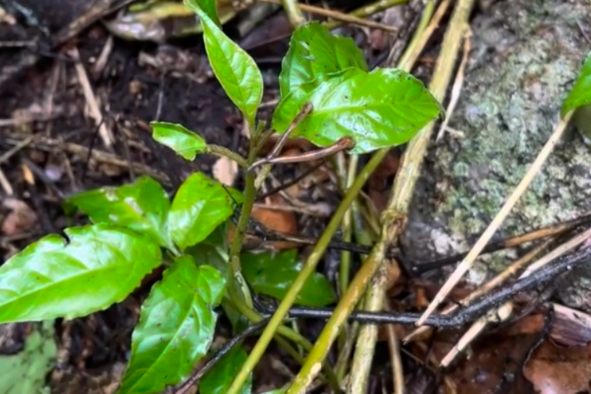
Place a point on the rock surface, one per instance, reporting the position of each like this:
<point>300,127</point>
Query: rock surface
<point>525,57</point>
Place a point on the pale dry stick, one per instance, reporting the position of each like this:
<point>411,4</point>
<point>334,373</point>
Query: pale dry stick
<point>6,184</point>
<point>501,313</point>
<point>458,83</point>
<point>559,251</point>
<point>468,261</point>
<point>101,62</point>
<point>368,334</point>
<point>48,144</point>
<point>493,283</point>
<point>497,315</point>
<point>270,103</point>
<point>412,56</point>
<point>306,210</point>
<point>95,111</point>
<point>12,151</point>
<point>395,359</point>
<point>28,119</point>
<point>341,17</point>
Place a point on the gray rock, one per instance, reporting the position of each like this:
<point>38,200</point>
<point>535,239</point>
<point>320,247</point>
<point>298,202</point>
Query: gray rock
<point>525,57</point>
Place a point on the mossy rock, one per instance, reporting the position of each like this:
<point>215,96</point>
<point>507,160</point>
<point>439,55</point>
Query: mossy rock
<point>525,57</point>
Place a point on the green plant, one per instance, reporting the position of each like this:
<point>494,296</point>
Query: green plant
<point>136,228</point>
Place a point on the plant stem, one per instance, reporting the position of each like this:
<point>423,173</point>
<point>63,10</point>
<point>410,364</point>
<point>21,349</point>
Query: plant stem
<point>225,152</point>
<point>308,269</point>
<point>364,350</point>
<point>297,338</point>
<point>293,12</point>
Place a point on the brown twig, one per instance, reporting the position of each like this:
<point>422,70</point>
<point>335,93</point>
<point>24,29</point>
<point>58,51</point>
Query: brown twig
<point>341,17</point>
<point>341,145</point>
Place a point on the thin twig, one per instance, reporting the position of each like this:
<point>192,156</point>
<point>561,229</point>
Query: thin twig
<point>504,276</point>
<point>95,111</point>
<point>503,312</point>
<point>48,144</point>
<point>345,143</point>
<point>339,16</point>
<point>306,109</point>
<point>466,264</point>
<point>5,184</point>
<point>396,359</point>
<point>458,83</point>
<point>511,242</point>
<point>368,10</point>
<point>225,349</point>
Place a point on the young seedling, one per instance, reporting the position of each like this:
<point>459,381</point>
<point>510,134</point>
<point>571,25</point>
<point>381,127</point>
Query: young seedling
<point>136,228</point>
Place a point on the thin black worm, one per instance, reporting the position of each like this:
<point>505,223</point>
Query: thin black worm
<point>464,315</point>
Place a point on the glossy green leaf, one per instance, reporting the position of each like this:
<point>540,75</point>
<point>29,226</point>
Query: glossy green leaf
<point>178,138</point>
<point>313,53</point>
<point>219,379</point>
<point>580,94</point>
<point>176,327</point>
<point>99,266</point>
<point>234,68</point>
<point>383,108</point>
<point>208,6</point>
<point>273,274</point>
<point>200,205</point>
<point>141,206</point>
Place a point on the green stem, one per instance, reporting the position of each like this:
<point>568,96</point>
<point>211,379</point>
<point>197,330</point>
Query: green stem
<point>297,338</point>
<point>308,269</point>
<point>225,152</point>
<point>293,12</point>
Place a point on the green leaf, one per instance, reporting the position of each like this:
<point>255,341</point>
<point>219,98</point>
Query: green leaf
<point>176,327</point>
<point>234,68</point>
<point>313,53</point>
<point>580,94</point>
<point>273,274</point>
<point>383,108</point>
<point>200,205</point>
<point>208,6</point>
<point>141,206</point>
<point>178,138</point>
<point>99,266</point>
<point>219,379</point>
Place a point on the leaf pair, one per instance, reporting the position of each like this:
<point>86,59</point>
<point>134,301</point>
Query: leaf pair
<point>382,108</point>
<point>200,205</point>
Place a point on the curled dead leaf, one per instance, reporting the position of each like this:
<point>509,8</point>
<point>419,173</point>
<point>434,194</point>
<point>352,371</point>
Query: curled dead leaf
<point>225,170</point>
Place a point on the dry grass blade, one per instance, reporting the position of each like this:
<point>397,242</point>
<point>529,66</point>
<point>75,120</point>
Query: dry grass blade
<point>467,263</point>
